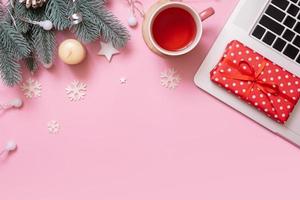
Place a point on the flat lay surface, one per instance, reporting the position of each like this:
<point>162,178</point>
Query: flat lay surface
<point>118,130</point>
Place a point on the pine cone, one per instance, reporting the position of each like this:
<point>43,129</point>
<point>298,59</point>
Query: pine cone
<point>33,3</point>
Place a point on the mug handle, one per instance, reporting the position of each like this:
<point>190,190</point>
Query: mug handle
<point>207,13</point>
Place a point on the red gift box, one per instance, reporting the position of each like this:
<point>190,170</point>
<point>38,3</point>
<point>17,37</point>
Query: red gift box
<point>258,81</point>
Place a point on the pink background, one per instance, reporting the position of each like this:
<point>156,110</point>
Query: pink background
<point>141,141</point>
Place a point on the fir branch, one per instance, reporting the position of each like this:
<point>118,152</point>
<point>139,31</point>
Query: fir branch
<point>31,63</point>
<point>88,4</point>
<point>2,11</point>
<point>87,30</point>
<point>44,44</point>
<point>56,11</point>
<point>10,70</point>
<point>111,28</point>
<point>13,41</point>
<point>13,47</point>
<point>20,12</point>
<point>98,21</point>
<point>37,14</point>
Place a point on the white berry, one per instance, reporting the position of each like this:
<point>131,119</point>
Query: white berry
<point>11,146</point>
<point>132,21</point>
<point>17,103</point>
<point>46,25</point>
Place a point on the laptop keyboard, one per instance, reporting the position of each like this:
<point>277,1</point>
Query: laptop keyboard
<point>279,27</point>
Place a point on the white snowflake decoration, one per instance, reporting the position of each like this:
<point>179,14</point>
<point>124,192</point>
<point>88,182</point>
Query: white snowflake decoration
<point>31,88</point>
<point>123,80</point>
<point>53,127</point>
<point>76,91</point>
<point>170,79</point>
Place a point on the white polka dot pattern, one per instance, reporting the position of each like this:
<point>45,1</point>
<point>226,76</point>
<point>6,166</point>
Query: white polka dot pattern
<point>278,107</point>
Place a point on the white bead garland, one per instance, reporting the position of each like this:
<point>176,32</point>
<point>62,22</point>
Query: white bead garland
<point>132,21</point>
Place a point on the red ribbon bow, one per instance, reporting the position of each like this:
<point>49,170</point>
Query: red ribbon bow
<point>246,72</point>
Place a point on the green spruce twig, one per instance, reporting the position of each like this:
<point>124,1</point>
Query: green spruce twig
<point>13,41</point>
<point>56,11</point>
<point>10,70</point>
<point>98,22</point>
<point>44,45</point>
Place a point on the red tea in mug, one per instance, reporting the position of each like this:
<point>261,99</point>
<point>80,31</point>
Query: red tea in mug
<point>174,29</point>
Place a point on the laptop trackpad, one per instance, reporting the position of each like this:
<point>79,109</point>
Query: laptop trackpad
<point>245,18</point>
<point>293,123</point>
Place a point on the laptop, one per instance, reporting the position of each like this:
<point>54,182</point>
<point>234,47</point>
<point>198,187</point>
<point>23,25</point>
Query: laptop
<point>271,28</point>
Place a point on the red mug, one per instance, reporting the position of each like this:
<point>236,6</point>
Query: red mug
<point>175,28</point>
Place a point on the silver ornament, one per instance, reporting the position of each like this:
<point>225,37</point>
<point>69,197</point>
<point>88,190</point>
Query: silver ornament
<point>76,18</point>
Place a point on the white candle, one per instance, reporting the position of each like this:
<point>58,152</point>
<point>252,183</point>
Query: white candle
<point>71,52</point>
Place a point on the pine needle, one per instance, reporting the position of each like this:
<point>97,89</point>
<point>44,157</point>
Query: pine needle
<point>99,22</point>
<point>44,44</point>
<point>31,63</point>
<point>13,41</point>
<point>10,70</point>
<point>111,28</point>
<point>56,11</point>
